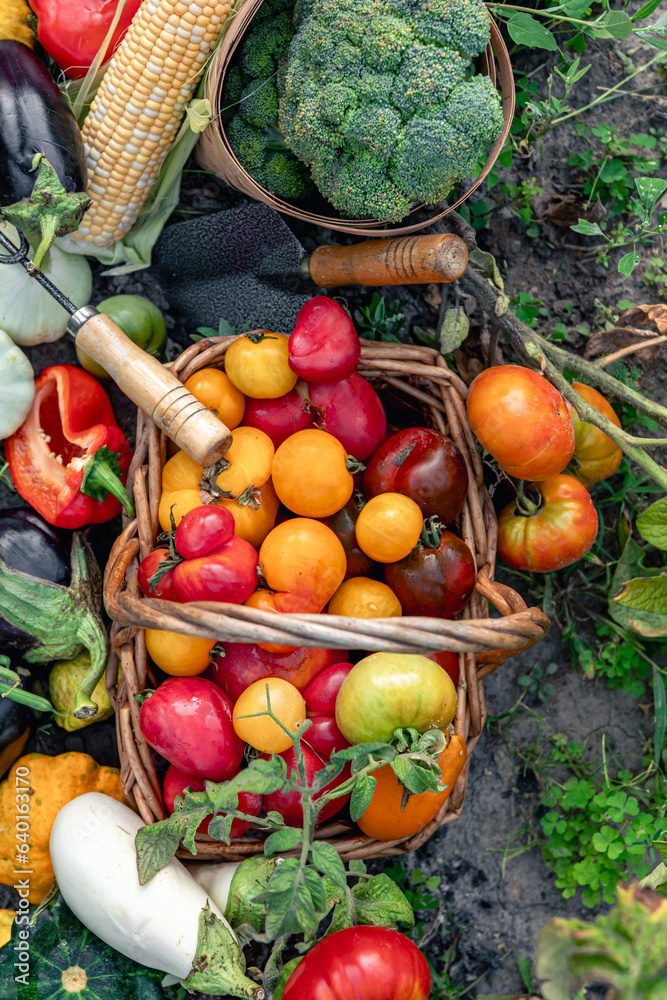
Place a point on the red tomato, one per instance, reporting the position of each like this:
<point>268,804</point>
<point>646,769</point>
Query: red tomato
<point>423,465</point>
<point>559,533</point>
<point>175,783</point>
<point>279,417</point>
<point>229,573</point>
<point>241,664</point>
<point>288,803</point>
<point>448,661</point>
<point>522,421</point>
<point>324,736</point>
<point>320,694</point>
<point>147,567</point>
<point>351,410</point>
<point>189,721</point>
<point>202,530</point>
<point>435,580</point>
<point>324,346</point>
<point>361,963</point>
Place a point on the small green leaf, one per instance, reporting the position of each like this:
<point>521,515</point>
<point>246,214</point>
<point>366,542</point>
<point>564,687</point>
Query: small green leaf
<point>282,841</point>
<point>156,845</point>
<point>362,795</point>
<point>660,707</point>
<point>357,867</point>
<point>526,972</point>
<point>647,594</point>
<point>383,751</point>
<point>587,228</point>
<point>260,777</point>
<point>415,778</point>
<point>285,973</point>
<point>526,30</point>
<point>647,9</point>
<point>379,901</point>
<point>327,860</point>
<point>613,24</point>
<point>628,263</point>
<point>454,330</point>
<point>652,524</point>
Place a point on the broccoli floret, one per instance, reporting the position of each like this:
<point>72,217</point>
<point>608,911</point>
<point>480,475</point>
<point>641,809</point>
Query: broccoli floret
<point>375,98</point>
<point>265,44</point>
<point>248,145</point>
<point>259,103</point>
<point>232,95</point>
<point>287,177</point>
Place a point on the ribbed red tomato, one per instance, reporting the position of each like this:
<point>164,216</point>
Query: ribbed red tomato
<point>361,963</point>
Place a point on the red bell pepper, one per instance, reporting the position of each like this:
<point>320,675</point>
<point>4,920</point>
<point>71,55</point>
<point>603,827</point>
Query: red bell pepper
<point>67,458</point>
<point>72,31</point>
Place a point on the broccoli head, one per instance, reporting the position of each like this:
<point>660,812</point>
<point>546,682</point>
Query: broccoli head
<point>377,97</point>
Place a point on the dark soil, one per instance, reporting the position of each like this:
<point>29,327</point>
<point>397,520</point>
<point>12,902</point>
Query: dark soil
<point>492,904</point>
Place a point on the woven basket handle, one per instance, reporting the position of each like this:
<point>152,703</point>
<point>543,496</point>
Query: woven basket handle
<point>410,260</point>
<point>157,392</point>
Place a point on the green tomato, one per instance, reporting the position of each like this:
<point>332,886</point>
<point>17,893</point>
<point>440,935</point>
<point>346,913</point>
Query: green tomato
<point>388,691</point>
<point>139,319</point>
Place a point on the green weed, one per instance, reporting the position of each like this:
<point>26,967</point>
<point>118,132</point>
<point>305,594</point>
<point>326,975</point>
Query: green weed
<point>381,320</point>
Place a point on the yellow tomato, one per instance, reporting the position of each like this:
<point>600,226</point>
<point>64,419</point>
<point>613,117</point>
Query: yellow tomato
<point>258,365</point>
<point>216,391</point>
<point>250,522</point>
<point>250,456</point>
<point>310,474</point>
<point>360,597</point>
<point>262,732</point>
<point>178,655</point>
<point>181,473</point>
<point>178,502</point>
<point>388,527</point>
<point>304,563</point>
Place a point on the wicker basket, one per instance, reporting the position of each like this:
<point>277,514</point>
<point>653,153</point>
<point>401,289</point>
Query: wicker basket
<point>417,377</point>
<point>215,154</point>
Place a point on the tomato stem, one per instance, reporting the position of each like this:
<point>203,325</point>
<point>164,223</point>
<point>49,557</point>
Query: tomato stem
<point>525,506</point>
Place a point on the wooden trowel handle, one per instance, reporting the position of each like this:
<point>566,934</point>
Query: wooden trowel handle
<point>407,260</point>
<point>157,392</point>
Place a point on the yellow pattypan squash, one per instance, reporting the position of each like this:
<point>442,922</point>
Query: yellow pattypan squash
<point>50,783</point>
<point>6,920</point>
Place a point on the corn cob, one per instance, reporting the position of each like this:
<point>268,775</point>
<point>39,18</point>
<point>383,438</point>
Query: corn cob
<point>136,112</point>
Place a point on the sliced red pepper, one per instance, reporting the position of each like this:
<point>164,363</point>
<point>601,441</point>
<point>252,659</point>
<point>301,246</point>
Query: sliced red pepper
<point>72,31</point>
<point>70,435</point>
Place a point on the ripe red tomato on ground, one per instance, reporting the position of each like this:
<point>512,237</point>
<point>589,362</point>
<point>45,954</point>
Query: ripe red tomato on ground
<point>189,721</point>
<point>175,783</point>
<point>361,963</point>
<point>436,579</point>
<point>421,464</point>
<point>561,530</point>
<point>522,421</point>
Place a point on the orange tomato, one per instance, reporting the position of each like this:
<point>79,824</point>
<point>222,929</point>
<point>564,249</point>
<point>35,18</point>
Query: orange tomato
<point>251,522</point>
<point>360,597</point>
<point>310,474</point>
<point>178,655</point>
<point>304,562</point>
<point>258,365</point>
<point>596,453</point>
<point>265,600</point>
<point>387,819</point>
<point>262,732</point>
<point>216,391</point>
<point>250,458</point>
<point>388,527</point>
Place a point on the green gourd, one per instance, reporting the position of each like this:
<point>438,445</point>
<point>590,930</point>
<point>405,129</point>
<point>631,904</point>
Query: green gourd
<point>66,960</point>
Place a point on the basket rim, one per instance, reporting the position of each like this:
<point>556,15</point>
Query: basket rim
<point>354,227</point>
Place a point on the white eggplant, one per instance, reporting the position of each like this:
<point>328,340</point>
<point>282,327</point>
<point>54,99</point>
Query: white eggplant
<point>17,386</point>
<point>27,312</point>
<point>215,879</point>
<point>158,924</point>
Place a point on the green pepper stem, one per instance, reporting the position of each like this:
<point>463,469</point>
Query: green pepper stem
<point>100,477</point>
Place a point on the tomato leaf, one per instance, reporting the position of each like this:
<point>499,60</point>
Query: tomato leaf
<point>343,915</point>
<point>362,795</point>
<point>381,750</point>
<point>156,846</point>
<point>380,901</point>
<point>660,708</point>
<point>285,973</point>
<point>630,565</point>
<point>652,524</point>
<point>289,901</point>
<point>282,841</point>
<point>261,777</point>
<point>357,867</point>
<point>327,860</point>
<point>417,776</point>
<point>220,828</point>
<point>648,595</point>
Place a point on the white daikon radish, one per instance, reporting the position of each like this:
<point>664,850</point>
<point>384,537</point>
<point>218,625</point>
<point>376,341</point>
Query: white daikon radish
<point>157,924</point>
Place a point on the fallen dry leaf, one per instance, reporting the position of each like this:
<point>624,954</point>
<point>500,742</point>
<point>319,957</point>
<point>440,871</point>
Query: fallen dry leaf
<point>646,318</point>
<point>566,210</point>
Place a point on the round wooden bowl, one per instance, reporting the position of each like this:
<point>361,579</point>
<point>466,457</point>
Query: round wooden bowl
<point>416,383</point>
<point>214,152</point>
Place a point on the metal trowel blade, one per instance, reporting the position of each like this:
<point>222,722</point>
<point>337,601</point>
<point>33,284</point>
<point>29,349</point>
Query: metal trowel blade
<point>229,265</point>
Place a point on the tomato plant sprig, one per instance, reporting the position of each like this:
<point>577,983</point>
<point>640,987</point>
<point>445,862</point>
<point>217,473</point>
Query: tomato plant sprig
<point>304,888</point>
<point>483,281</point>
